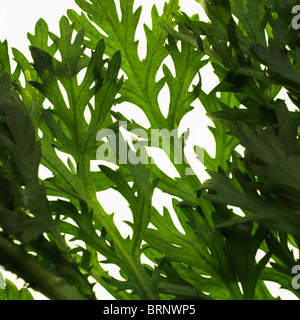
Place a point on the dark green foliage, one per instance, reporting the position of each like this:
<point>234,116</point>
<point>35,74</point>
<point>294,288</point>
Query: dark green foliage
<point>60,245</point>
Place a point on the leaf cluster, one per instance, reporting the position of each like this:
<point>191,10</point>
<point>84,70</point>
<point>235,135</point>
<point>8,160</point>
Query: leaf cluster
<point>56,234</point>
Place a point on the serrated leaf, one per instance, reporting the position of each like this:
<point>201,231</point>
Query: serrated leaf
<point>140,88</point>
<point>13,293</point>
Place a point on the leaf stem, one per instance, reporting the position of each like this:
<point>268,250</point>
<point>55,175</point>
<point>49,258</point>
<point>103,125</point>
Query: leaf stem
<point>49,284</point>
<point>136,270</point>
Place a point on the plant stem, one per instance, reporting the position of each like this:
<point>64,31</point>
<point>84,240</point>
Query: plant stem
<point>53,287</point>
<point>136,270</point>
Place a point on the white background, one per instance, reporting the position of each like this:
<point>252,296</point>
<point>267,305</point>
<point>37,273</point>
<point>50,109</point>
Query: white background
<point>18,17</point>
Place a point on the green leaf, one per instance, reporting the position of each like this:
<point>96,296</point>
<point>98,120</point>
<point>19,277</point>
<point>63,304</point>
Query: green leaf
<point>248,12</point>
<point>278,63</point>
<point>30,269</point>
<point>187,63</point>
<point>67,130</point>
<point>218,11</point>
<point>40,38</point>
<point>13,293</point>
<point>200,247</point>
<point>4,61</point>
<point>141,87</point>
<point>21,145</point>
